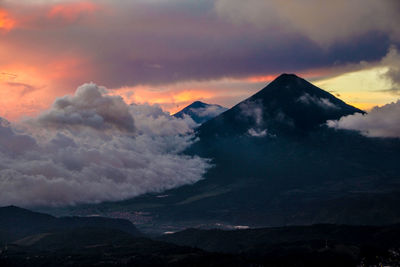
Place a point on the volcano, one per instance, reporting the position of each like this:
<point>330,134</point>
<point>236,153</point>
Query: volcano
<point>276,162</point>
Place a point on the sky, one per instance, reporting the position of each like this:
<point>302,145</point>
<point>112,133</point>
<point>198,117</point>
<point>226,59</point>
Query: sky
<point>175,52</point>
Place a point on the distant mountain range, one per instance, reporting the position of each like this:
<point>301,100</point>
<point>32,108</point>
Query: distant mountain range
<point>35,239</point>
<point>277,163</point>
<point>200,112</point>
<point>44,240</point>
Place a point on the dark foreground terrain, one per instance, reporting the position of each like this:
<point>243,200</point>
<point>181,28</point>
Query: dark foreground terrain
<point>34,239</point>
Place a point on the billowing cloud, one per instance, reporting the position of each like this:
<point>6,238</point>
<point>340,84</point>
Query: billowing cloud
<point>160,122</point>
<point>11,143</point>
<point>379,122</point>
<point>88,108</point>
<point>81,151</point>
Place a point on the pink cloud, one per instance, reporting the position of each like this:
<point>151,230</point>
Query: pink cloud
<point>6,21</point>
<point>71,12</point>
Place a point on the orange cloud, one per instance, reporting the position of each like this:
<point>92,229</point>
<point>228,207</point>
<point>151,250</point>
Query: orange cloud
<point>19,92</point>
<point>72,11</point>
<point>6,21</point>
<point>310,74</point>
<point>68,67</point>
<point>261,78</point>
<point>26,89</point>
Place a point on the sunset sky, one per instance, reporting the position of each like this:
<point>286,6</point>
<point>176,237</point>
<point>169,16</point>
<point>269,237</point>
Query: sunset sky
<point>175,52</point>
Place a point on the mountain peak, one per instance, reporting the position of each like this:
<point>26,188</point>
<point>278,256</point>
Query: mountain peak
<point>290,78</point>
<point>200,112</point>
<point>287,76</point>
<point>291,85</point>
<point>198,104</point>
<point>13,208</point>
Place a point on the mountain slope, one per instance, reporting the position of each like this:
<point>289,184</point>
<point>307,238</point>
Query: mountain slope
<point>200,112</point>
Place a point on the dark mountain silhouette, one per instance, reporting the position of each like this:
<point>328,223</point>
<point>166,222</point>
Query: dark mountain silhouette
<point>277,163</point>
<point>37,239</point>
<point>325,245</point>
<point>16,223</point>
<point>239,241</point>
<point>200,112</point>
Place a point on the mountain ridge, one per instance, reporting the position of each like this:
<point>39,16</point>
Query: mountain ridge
<point>21,222</point>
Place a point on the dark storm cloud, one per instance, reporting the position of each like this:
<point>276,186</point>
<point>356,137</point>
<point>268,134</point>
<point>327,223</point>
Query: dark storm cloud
<point>392,62</point>
<point>155,42</point>
<point>242,54</point>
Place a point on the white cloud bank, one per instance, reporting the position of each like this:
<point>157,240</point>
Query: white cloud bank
<point>92,147</point>
<point>379,122</point>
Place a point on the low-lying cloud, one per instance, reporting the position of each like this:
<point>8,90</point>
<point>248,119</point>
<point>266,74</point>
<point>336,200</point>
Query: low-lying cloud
<point>92,147</point>
<point>379,122</point>
<point>209,111</point>
<point>257,133</point>
<point>321,102</point>
<point>253,110</point>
